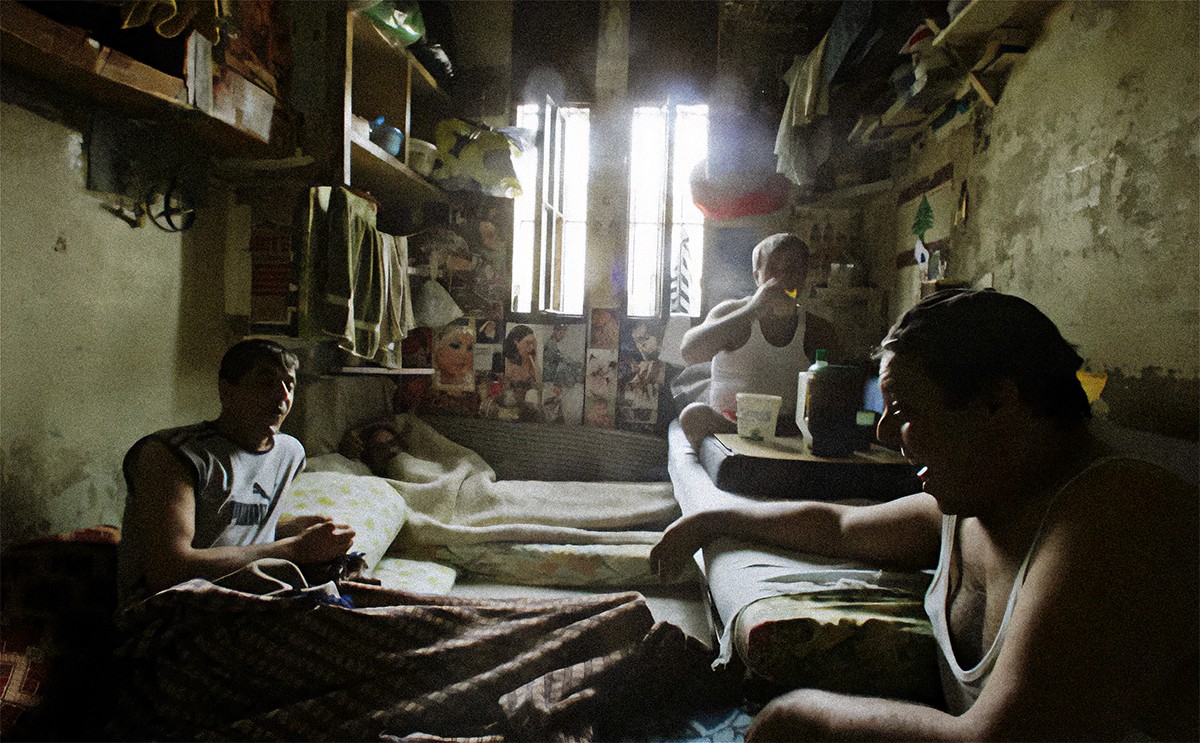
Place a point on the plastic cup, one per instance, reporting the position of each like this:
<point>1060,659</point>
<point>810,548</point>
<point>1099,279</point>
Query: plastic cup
<point>757,415</point>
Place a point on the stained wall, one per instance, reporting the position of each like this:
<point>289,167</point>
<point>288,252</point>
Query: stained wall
<point>1083,187</point>
<point>106,332</point>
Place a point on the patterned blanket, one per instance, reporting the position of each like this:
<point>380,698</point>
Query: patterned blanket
<point>239,660</point>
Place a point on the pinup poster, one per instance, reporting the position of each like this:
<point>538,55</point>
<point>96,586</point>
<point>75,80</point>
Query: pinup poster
<point>641,374</point>
<point>450,350</point>
<point>536,374</point>
<point>600,389</point>
<point>562,371</point>
<point>454,357</point>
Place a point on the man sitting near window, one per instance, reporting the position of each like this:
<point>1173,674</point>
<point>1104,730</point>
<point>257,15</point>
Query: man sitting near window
<point>758,343</point>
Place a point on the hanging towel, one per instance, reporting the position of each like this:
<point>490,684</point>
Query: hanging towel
<point>353,278</point>
<point>398,312</point>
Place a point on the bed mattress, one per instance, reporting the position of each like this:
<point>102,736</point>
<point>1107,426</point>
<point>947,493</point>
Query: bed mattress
<point>798,619</point>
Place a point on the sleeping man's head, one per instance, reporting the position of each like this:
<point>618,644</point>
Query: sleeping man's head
<point>380,443</point>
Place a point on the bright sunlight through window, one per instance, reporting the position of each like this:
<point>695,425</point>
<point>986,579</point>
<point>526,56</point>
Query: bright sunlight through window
<point>666,229</point>
<point>550,217</point>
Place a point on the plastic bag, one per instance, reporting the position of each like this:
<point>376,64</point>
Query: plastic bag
<point>398,19</point>
<point>475,158</point>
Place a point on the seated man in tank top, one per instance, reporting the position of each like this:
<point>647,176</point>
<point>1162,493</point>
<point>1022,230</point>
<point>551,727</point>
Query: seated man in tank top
<point>758,343</point>
<point>203,500</point>
<point>1064,603</point>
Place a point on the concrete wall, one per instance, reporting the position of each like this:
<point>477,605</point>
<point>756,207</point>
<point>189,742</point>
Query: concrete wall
<point>1083,186</point>
<point>106,332</point>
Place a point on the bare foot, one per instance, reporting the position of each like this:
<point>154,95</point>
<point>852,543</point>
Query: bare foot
<point>699,421</point>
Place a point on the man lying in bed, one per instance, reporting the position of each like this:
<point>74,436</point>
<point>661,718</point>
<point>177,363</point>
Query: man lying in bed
<point>1065,599</point>
<point>453,491</point>
<point>203,499</point>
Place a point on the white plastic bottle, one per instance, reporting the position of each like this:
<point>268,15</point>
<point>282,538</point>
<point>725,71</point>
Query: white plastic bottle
<point>803,397</point>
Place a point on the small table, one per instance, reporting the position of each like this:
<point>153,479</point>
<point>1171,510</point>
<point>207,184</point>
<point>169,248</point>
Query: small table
<point>787,469</point>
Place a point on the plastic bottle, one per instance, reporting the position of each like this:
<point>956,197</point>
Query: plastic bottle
<point>803,394</point>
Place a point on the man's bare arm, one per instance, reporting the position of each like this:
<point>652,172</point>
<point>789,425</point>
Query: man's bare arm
<point>1106,614</point>
<point>727,327</point>
<point>813,715</point>
<point>294,525</point>
<point>902,533</point>
<point>163,513</point>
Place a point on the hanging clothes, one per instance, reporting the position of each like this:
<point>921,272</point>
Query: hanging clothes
<point>400,316</point>
<point>805,138</point>
<point>353,278</point>
<point>172,17</point>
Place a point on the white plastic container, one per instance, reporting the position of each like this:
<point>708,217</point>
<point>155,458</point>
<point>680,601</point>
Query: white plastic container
<point>804,399</point>
<point>757,415</point>
<point>422,156</point>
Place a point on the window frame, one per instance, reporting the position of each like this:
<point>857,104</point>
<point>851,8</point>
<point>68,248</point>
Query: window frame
<point>550,218</point>
<point>667,226</point>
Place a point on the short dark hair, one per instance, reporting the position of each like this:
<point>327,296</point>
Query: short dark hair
<point>371,429</point>
<point>966,338</point>
<point>242,356</point>
<point>779,241</point>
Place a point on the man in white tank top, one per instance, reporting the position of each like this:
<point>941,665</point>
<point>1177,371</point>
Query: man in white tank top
<point>1065,598</point>
<point>758,343</point>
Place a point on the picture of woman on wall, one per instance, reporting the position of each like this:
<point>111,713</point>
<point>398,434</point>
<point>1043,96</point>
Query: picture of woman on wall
<point>454,356</point>
<point>522,368</point>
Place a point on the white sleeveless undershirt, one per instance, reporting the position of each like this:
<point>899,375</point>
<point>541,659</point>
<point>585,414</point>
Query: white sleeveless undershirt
<point>759,366</point>
<point>962,686</point>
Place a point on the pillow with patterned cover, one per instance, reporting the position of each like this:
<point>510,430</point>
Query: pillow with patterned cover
<point>368,504</point>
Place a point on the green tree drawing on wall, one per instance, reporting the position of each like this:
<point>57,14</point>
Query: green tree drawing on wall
<point>923,220</point>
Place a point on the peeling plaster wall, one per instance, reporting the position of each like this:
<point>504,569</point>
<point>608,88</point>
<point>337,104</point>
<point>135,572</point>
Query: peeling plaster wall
<point>1084,198</point>
<point>107,332</point>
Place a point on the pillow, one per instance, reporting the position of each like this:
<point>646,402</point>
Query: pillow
<point>337,463</point>
<point>415,576</point>
<point>564,565</point>
<point>59,596</point>
<point>368,504</point>
<point>26,651</point>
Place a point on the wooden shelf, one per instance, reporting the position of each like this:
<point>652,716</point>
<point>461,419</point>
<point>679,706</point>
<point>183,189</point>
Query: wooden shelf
<point>981,47</point>
<point>976,20</point>
<point>389,81</point>
<point>848,196</point>
<point>69,61</point>
<point>385,79</point>
<point>385,177</point>
<point>382,58</point>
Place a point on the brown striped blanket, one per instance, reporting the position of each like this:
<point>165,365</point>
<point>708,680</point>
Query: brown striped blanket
<point>204,661</point>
